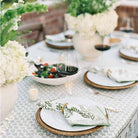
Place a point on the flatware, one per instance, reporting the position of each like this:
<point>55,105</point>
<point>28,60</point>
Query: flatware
<point>100,93</point>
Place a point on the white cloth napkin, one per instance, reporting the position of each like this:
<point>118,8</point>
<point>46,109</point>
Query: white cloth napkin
<point>70,32</point>
<point>78,115</point>
<point>131,48</point>
<point>59,37</point>
<point>56,38</point>
<point>117,74</point>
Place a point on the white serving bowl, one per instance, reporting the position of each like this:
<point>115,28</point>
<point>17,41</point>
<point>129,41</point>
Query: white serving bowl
<point>56,81</point>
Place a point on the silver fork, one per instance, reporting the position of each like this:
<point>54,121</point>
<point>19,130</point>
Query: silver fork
<point>96,93</point>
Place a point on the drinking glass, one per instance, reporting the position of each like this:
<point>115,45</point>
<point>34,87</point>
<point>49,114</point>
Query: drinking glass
<point>67,33</point>
<point>24,43</point>
<point>69,57</point>
<point>127,25</point>
<point>102,47</point>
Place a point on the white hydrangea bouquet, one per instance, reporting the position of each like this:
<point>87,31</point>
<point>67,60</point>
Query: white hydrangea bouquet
<point>92,20</point>
<point>13,63</point>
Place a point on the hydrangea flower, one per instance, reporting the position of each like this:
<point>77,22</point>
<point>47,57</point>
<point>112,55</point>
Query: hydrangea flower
<point>13,65</point>
<point>87,25</point>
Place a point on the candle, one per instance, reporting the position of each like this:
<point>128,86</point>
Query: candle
<point>62,57</point>
<point>33,94</point>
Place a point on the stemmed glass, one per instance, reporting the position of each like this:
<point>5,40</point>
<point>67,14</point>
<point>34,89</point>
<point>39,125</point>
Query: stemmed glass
<point>24,43</point>
<point>127,25</point>
<point>69,57</point>
<point>67,35</point>
<point>102,47</point>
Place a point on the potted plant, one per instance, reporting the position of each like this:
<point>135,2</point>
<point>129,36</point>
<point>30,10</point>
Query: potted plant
<point>92,20</point>
<point>13,63</point>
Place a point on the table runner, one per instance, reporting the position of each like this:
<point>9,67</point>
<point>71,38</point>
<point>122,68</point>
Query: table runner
<point>123,124</point>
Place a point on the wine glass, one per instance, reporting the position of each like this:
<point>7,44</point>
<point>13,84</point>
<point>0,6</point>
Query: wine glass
<point>24,43</point>
<point>102,47</point>
<point>67,33</point>
<point>69,58</point>
<point>127,25</point>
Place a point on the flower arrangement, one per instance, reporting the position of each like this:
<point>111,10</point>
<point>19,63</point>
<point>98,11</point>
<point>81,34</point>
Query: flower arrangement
<point>88,17</point>
<point>13,63</point>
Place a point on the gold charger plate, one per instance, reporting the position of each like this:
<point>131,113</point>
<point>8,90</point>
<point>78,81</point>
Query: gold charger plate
<point>65,133</point>
<point>106,87</point>
<point>58,47</point>
<point>127,57</point>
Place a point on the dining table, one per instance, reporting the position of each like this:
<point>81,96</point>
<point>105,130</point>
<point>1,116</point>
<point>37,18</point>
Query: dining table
<point>21,122</point>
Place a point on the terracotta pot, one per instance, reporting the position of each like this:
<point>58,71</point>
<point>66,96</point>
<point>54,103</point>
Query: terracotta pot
<point>8,97</point>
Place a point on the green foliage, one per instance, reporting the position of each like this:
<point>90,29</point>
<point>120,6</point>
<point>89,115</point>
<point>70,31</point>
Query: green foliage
<point>77,7</point>
<point>7,19</point>
<point>12,1</point>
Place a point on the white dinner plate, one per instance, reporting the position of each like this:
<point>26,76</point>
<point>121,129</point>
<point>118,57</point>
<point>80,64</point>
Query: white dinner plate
<point>56,119</point>
<point>61,44</point>
<point>128,53</point>
<point>102,80</point>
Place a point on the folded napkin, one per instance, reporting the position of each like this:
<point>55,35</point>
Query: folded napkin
<point>133,49</point>
<point>78,115</point>
<point>59,37</point>
<point>56,38</point>
<point>117,74</point>
<point>70,32</point>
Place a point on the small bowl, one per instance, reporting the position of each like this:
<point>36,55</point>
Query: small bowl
<point>114,41</point>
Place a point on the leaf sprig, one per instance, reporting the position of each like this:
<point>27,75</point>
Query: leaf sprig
<point>7,19</point>
<point>92,7</point>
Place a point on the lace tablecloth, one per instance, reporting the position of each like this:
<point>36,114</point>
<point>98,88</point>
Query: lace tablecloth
<point>123,124</point>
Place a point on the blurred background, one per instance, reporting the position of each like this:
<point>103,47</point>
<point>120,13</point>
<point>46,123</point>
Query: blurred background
<point>52,22</point>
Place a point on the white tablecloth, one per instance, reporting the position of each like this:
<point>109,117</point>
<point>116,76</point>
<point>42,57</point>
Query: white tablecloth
<point>123,124</point>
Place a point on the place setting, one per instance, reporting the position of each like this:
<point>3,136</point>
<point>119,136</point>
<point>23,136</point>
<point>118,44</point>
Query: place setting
<point>72,116</point>
<point>112,78</point>
<point>129,52</point>
<point>60,41</point>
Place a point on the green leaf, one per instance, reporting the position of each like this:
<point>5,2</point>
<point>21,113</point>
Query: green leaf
<point>10,14</point>
<point>7,20</point>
